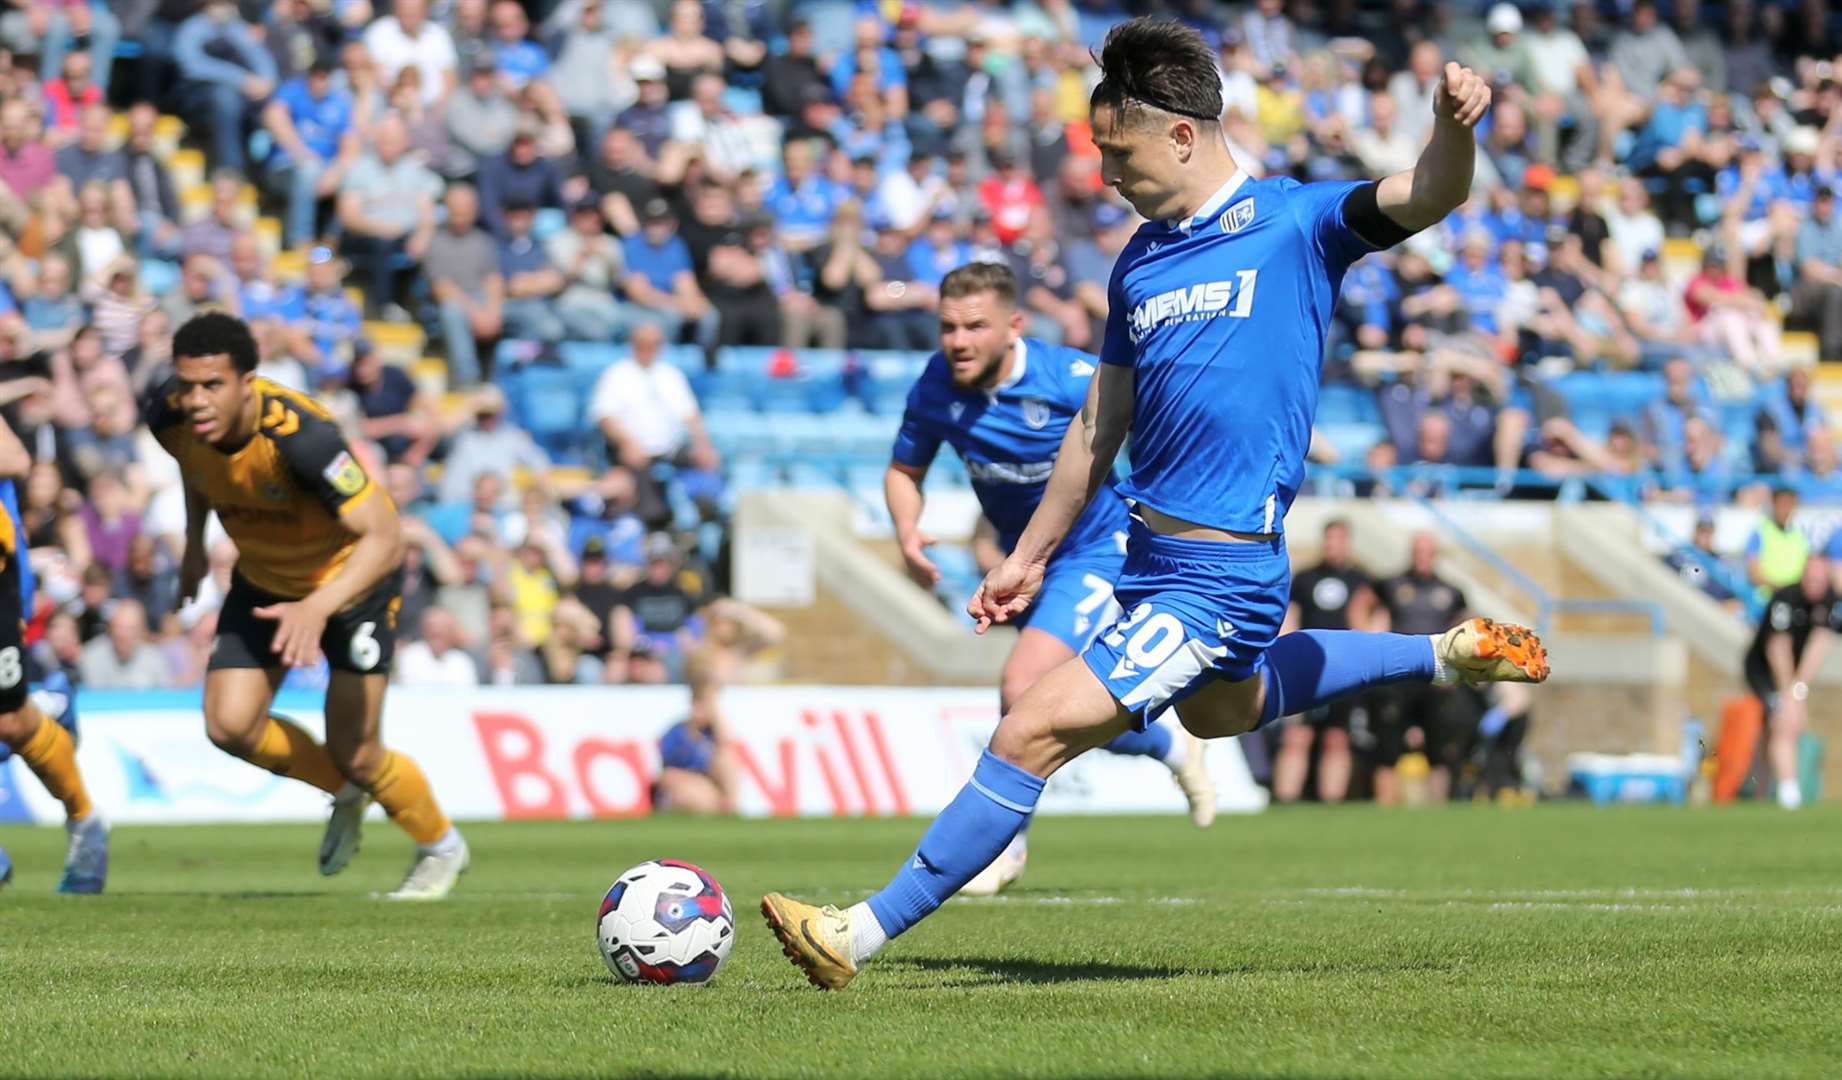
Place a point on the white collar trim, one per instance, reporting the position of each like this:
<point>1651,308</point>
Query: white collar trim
<point>1020,362</point>
<point>1213,206</point>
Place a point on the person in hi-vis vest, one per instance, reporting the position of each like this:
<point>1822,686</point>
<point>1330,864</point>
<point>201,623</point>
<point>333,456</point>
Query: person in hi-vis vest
<point>1777,551</point>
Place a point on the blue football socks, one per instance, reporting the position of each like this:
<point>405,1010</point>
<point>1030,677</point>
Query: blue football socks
<point>1315,667</point>
<point>974,828</point>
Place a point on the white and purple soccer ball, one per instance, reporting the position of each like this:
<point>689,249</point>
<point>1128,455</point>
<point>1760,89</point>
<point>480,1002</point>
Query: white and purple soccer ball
<point>665,922</point>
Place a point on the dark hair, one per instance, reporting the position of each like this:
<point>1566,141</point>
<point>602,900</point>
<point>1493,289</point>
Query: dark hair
<point>214,333</point>
<point>980,277</point>
<point>1159,64</point>
<point>1337,523</point>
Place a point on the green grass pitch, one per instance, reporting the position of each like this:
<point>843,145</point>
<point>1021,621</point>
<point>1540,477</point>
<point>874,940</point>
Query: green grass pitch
<point>1464,942</point>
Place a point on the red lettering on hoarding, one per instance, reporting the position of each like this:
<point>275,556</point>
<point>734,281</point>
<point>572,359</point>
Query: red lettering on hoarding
<point>782,798</point>
<point>855,761</point>
<point>514,750</point>
<point>628,754</point>
<point>826,772</point>
<point>874,725</point>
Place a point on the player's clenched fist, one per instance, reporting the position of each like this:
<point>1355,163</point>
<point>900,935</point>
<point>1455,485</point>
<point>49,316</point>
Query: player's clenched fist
<point>1005,592</point>
<point>1462,97</point>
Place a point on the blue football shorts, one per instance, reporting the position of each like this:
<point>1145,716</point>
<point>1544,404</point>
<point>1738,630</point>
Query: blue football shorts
<point>1193,611</point>
<point>1076,601</point>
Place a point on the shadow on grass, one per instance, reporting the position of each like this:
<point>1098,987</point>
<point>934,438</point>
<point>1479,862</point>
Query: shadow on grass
<point>989,970</point>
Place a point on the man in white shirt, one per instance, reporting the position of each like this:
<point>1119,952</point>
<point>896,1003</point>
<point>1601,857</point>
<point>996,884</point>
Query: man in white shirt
<point>648,414</point>
<point>437,658</point>
<point>406,38</point>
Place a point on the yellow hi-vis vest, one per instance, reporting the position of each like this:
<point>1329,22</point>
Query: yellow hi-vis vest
<point>1782,554</point>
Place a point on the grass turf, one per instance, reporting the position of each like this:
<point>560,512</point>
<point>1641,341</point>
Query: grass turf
<point>1314,943</point>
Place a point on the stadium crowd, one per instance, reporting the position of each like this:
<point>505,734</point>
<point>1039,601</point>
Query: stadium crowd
<point>509,176</point>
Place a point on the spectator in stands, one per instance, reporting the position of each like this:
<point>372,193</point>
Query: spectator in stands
<point>568,654</point>
<point>148,577</point>
<point>310,121</point>
<point>435,657</point>
<point>27,165</point>
<point>1820,479</point>
<point>1565,451</point>
<point>490,445</point>
<point>1777,550</point>
<point>507,660</point>
<point>48,29</point>
<point>468,285</point>
<point>204,282</point>
<point>1418,602</point>
<point>387,209</point>
<point>1701,475</point>
<point>52,312</point>
<point>789,78</point>
<point>1816,296</point>
<point>1787,652</point>
<point>89,158</point>
<point>227,76</point>
<point>621,180</point>
<point>333,320</point>
<point>591,265</point>
<point>123,658</point>
<point>1048,289</point>
<point>696,772</point>
<point>60,649</point>
<point>398,416</point>
<point>1333,595</point>
<point>532,281</point>
<point>649,118</point>
<point>1703,566</point>
<point>661,277</point>
<point>1634,229</point>
<point>1666,420</point>
<point>899,306</point>
<point>594,589</point>
<point>406,38</point>
<point>155,199</point>
<point>1733,317</point>
<point>647,413</point>
<point>660,607</point>
<point>1788,416</point>
<point>481,118</point>
<point>519,176</point>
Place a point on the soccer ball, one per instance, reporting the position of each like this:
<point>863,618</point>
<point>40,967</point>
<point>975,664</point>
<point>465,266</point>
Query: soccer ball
<point>665,922</point>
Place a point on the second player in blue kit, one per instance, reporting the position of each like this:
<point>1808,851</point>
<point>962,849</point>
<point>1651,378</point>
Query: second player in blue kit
<point>1004,403</point>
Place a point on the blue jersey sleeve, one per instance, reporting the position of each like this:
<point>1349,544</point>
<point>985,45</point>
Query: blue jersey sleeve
<point>1754,544</point>
<point>1116,345</point>
<point>915,442</point>
<point>1319,210</point>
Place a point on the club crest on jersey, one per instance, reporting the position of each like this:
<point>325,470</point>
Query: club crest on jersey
<point>1238,216</point>
<point>1036,413</point>
<point>344,474</point>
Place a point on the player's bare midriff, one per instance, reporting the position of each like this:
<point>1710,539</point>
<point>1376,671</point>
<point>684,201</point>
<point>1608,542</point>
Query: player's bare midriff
<point>1161,522</point>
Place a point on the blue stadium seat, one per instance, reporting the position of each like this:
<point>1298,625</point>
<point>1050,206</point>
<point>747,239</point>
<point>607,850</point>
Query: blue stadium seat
<point>1352,438</point>
<point>548,403</point>
<point>887,377</point>
<point>591,356</point>
<point>1341,403</point>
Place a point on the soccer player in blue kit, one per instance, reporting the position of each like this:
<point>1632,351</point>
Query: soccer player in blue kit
<point>1004,403</point>
<point>1212,357</point>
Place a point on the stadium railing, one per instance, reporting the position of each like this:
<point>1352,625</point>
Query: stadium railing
<point>1547,605</point>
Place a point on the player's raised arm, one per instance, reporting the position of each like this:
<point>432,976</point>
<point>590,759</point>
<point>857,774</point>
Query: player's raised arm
<point>1441,180</point>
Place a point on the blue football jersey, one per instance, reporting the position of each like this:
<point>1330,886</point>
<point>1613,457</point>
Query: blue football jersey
<point>1222,319</point>
<point>1008,437</point>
